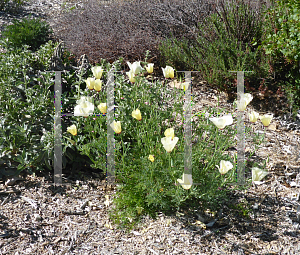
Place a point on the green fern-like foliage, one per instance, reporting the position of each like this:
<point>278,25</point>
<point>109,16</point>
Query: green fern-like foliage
<point>31,32</point>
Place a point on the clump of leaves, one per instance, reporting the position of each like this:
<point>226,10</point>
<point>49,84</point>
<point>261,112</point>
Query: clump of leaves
<point>282,44</point>
<point>11,6</point>
<point>31,32</point>
<point>223,43</point>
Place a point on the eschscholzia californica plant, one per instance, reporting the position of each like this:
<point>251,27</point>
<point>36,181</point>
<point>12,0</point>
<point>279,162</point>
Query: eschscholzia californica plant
<point>102,107</point>
<point>168,72</point>
<point>130,75</point>
<point>137,114</point>
<point>244,101</point>
<point>97,71</point>
<point>184,86</point>
<point>186,182</point>
<point>149,68</point>
<point>258,174</point>
<point>90,83</point>
<point>224,167</point>
<point>222,121</point>
<point>169,143</point>
<point>97,85</point>
<point>135,67</point>
<point>266,119</point>
<point>253,116</point>
<point>116,126</point>
<point>84,107</point>
<point>72,129</point>
<point>169,133</point>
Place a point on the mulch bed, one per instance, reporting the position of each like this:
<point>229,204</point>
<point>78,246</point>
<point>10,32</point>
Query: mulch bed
<point>34,216</point>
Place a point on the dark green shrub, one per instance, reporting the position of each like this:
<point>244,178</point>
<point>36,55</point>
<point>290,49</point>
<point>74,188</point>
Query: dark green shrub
<point>282,43</point>
<point>224,43</point>
<point>13,6</point>
<point>32,32</point>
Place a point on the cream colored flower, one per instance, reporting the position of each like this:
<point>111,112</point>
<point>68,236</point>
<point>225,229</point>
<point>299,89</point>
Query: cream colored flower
<point>186,181</point>
<point>116,126</point>
<point>168,143</point>
<point>102,107</point>
<point>84,107</point>
<point>253,116</point>
<point>90,83</point>
<point>135,67</point>
<point>149,68</point>
<point>97,71</point>
<point>136,114</point>
<point>184,85</point>
<point>168,72</point>
<point>225,166</point>
<point>222,121</point>
<point>151,158</point>
<point>266,119</point>
<point>244,101</point>
<point>97,84</point>
<point>130,75</point>
<point>72,129</point>
<point>170,133</point>
<point>258,174</point>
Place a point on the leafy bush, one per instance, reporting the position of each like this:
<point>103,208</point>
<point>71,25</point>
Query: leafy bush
<point>31,32</point>
<point>25,97</point>
<point>146,187</point>
<point>13,6</point>
<point>21,96</point>
<point>282,44</point>
<point>224,43</point>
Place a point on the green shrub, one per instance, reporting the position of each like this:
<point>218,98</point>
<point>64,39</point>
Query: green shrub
<point>147,187</point>
<point>26,97</point>
<point>32,32</point>
<point>21,95</point>
<point>12,6</point>
<point>224,43</point>
<point>282,33</point>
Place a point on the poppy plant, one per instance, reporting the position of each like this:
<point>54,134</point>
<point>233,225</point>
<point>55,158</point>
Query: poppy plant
<point>97,71</point>
<point>72,129</point>
<point>102,107</point>
<point>169,143</point>
<point>151,158</point>
<point>116,126</point>
<point>244,101</point>
<point>135,67</point>
<point>266,119</point>
<point>222,121</point>
<point>168,72</point>
<point>149,68</point>
<point>90,83</point>
<point>130,75</point>
<point>224,167</point>
<point>97,85</point>
<point>84,107</point>
<point>258,174</point>
<point>137,114</point>
<point>186,182</point>
<point>253,116</point>
<point>169,133</point>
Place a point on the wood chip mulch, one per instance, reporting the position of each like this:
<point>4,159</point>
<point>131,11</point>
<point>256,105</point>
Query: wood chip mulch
<point>37,217</point>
